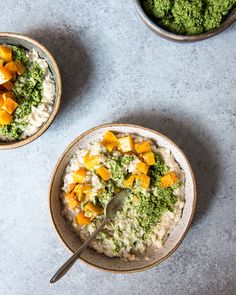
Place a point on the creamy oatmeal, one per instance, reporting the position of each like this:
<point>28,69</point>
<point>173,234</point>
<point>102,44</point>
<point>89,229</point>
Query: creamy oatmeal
<point>95,174</point>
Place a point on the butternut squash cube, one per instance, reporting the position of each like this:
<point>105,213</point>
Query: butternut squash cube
<point>4,75</point>
<point>9,94</point>
<point>87,195</point>
<point>109,137</point>
<point>142,147</point>
<point>110,146</point>
<point>125,144</point>
<point>91,161</point>
<point>70,196</point>
<point>129,181</point>
<point>9,105</point>
<point>87,187</point>
<point>79,191</point>
<point>144,180</point>
<point>141,168</point>
<point>71,187</point>
<point>149,158</point>
<point>1,62</point>
<point>92,208</point>
<point>5,53</point>
<point>72,200</point>
<point>20,67</point>
<point>168,179</point>
<point>11,67</point>
<point>82,219</point>
<point>5,117</point>
<point>73,204</point>
<point>104,173</point>
<point>8,85</point>
<point>109,141</point>
<point>80,175</point>
<point>1,99</point>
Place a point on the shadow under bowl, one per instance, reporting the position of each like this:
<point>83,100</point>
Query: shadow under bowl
<point>30,44</point>
<point>90,256</point>
<point>160,31</point>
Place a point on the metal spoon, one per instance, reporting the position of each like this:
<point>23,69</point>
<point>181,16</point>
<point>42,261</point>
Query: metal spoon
<point>115,204</point>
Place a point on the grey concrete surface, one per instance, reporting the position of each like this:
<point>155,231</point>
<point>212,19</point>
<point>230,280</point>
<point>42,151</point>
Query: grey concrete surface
<point>115,70</point>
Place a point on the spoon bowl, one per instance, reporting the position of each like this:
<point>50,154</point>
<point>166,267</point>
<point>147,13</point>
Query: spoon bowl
<point>116,203</point>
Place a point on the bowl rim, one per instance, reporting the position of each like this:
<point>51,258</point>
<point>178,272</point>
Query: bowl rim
<point>12,145</point>
<point>160,31</point>
<point>63,155</point>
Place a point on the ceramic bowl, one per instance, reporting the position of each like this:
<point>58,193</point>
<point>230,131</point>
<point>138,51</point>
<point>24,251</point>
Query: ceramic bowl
<point>231,18</point>
<point>30,44</point>
<point>90,256</point>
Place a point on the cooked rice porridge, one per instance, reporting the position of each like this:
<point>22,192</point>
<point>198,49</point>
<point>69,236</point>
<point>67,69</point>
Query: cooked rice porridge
<point>154,207</point>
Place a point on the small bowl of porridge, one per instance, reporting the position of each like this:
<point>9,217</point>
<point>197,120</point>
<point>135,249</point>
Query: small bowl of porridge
<point>157,213</point>
<point>30,90</point>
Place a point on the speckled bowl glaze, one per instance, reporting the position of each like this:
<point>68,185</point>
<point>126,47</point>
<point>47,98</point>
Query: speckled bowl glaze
<point>30,44</point>
<point>92,257</point>
<point>160,31</point>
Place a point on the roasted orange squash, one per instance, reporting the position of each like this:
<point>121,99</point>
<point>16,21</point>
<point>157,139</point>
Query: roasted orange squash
<point>92,208</point>
<point>125,144</point>
<point>82,219</point>
<point>129,181</point>
<point>144,180</point>
<point>8,85</point>
<point>104,173</point>
<point>80,175</point>
<point>71,187</point>
<point>9,105</point>
<point>149,158</point>
<point>109,137</point>
<point>5,76</point>
<point>141,168</point>
<point>168,179</point>
<point>142,147</point>
<point>90,161</point>
<point>20,67</point>
<point>9,94</point>
<point>72,200</point>
<point>5,117</point>
<point>1,99</point>
<point>5,53</point>
<point>11,67</point>
<point>79,191</point>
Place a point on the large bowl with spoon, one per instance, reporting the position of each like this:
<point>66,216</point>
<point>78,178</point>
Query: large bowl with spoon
<point>90,256</point>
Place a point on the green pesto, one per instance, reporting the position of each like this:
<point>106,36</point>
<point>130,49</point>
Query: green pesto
<point>28,90</point>
<point>145,207</point>
<point>157,170</point>
<point>188,16</point>
<point>152,206</point>
<point>116,166</point>
<point>106,193</point>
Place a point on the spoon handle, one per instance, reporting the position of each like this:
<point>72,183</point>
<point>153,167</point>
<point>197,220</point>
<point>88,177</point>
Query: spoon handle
<point>68,264</point>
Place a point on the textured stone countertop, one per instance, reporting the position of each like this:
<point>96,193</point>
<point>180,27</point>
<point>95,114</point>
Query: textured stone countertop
<point>115,70</point>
